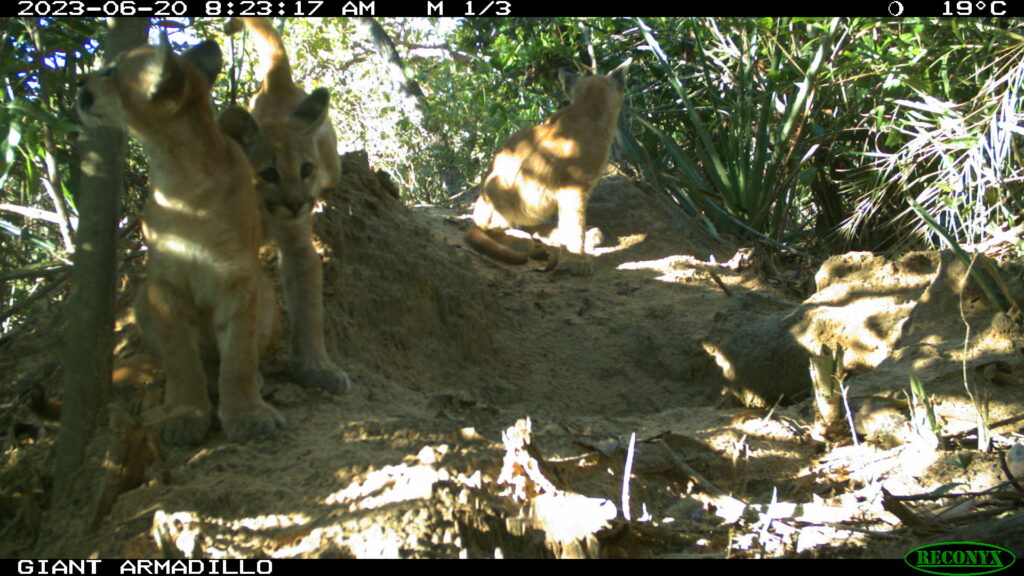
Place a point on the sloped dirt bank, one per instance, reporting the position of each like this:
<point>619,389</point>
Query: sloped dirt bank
<point>451,353</point>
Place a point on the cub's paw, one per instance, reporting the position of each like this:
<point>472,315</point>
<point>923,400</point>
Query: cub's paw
<point>262,420</point>
<point>323,375</point>
<point>576,265</point>
<point>179,425</point>
<point>593,239</point>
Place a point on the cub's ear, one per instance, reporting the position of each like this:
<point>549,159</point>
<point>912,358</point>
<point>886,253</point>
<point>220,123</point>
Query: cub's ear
<point>164,74</point>
<point>313,109</point>
<point>569,79</point>
<point>619,74</point>
<point>206,56</point>
<point>240,126</point>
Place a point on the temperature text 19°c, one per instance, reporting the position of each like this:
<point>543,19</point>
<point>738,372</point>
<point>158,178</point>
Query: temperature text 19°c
<point>971,8</point>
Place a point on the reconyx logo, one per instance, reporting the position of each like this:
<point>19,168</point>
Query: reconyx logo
<point>960,558</point>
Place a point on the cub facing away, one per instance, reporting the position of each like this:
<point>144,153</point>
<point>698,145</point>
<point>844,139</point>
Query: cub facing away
<point>202,225</point>
<point>553,166</point>
<point>291,145</point>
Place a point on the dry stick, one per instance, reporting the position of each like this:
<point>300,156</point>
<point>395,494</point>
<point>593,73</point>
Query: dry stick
<point>771,412</point>
<point>840,526</point>
<point>969,519</point>
<point>844,392</point>
<point>906,515</point>
<point>720,283</point>
<point>992,426</point>
<point>626,474</point>
<point>686,469</point>
<point>929,497</point>
<point>983,430</point>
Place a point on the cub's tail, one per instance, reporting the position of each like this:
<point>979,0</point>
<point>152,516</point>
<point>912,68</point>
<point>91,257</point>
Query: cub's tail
<point>275,68</point>
<point>484,241</point>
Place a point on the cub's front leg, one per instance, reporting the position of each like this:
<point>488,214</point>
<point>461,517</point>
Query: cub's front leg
<point>302,281</point>
<point>572,210</point>
<point>169,322</point>
<point>237,327</point>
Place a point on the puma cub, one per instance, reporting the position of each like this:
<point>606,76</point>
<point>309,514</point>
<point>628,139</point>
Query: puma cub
<point>551,166</point>
<point>291,144</point>
<point>202,226</point>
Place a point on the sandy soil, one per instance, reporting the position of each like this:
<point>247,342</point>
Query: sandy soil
<point>430,455</point>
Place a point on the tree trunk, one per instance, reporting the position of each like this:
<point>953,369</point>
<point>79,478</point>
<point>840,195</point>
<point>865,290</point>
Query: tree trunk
<point>88,353</point>
<point>393,63</point>
<point>415,103</point>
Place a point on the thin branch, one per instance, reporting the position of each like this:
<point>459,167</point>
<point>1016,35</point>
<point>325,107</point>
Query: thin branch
<point>689,471</point>
<point>37,295</point>
<point>40,271</point>
<point>53,268</point>
<point>31,213</point>
<point>626,474</point>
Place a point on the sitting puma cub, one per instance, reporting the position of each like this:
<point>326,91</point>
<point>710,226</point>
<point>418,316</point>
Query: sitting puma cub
<point>202,226</point>
<point>293,150</point>
<point>551,166</point>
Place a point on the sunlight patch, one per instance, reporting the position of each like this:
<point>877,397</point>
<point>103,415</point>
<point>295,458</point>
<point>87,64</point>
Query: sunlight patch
<point>176,205</point>
<point>389,485</point>
<point>674,269</point>
<point>625,242</point>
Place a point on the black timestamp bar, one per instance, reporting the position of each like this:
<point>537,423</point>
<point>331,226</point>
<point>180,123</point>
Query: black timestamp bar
<point>174,8</point>
<point>998,9</point>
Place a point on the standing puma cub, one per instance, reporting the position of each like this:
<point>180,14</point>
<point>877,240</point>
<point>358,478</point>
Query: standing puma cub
<point>202,226</point>
<point>551,166</point>
<point>291,144</point>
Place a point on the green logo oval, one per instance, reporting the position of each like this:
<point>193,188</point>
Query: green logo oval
<point>959,558</point>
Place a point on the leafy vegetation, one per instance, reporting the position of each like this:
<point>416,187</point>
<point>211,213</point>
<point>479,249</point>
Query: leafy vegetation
<point>827,134</point>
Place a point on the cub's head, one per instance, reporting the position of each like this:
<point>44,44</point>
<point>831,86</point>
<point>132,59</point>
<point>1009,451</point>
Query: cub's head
<point>147,85</point>
<point>609,86</point>
<point>284,155</point>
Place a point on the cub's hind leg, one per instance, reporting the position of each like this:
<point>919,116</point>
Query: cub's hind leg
<point>302,280</point>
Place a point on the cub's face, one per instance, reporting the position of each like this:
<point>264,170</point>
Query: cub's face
<point>283,154</point>
<point>147,84</point>
<point>103,96</point>
<point>284,162</point>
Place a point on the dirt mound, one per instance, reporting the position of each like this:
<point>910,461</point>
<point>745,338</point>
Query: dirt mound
<point>397,301</point>
<point>432,455</point>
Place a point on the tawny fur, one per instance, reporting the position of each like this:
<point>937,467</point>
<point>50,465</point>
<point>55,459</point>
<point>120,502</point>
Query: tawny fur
<point>202,226</point>
<point>288,138</point>
<point>553,166</point>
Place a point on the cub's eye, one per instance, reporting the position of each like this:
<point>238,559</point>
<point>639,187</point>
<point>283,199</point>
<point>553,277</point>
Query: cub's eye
<point>306,170</point>
<point>270,175</point>
<point>108,72</point>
